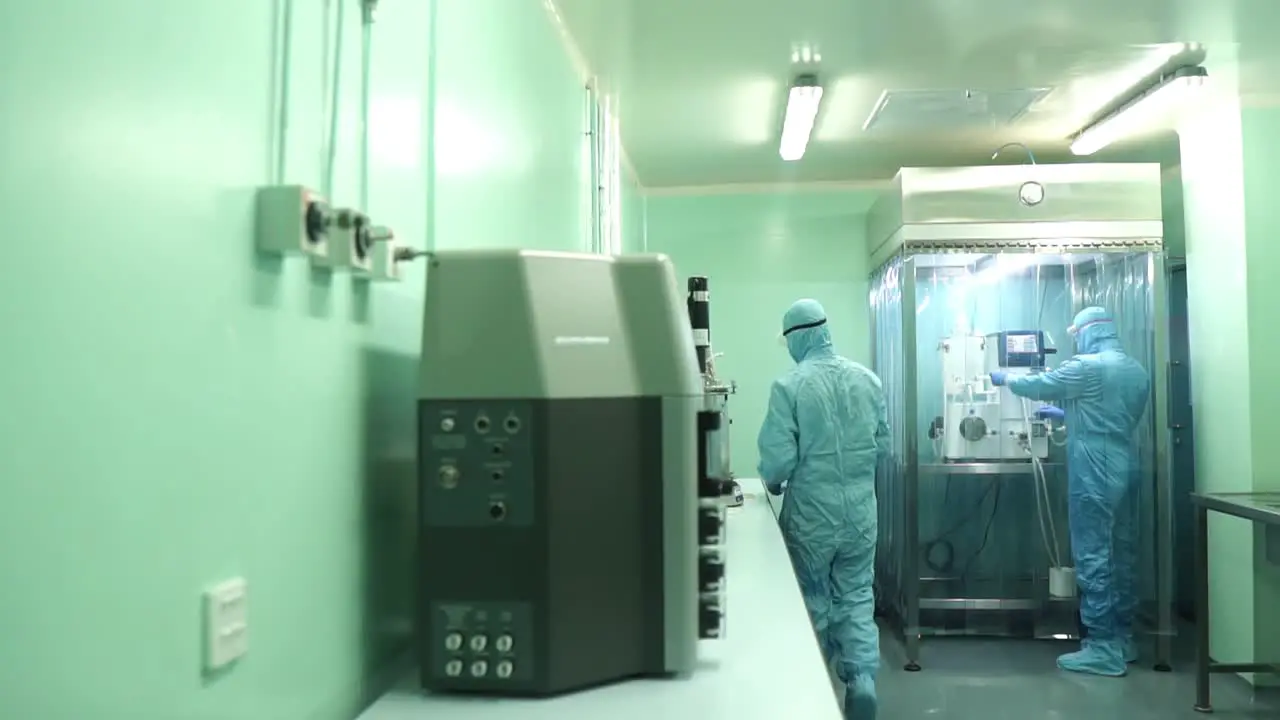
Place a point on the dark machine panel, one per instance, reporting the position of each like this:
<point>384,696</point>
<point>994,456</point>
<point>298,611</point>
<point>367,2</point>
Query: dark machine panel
<point>481,454</point>
<point>544,522</point>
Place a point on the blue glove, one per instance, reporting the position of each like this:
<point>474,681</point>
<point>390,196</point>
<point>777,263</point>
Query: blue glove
<point>998,378</point>
<point>1049,412</point>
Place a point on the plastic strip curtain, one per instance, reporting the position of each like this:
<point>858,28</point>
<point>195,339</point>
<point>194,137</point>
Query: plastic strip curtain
<point>984,537</point>
<point>886,310</point>
<point>1124,283</point>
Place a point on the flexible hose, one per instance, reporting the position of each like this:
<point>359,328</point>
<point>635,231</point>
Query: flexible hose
<point>335,101</point>
<point>1041,487</point>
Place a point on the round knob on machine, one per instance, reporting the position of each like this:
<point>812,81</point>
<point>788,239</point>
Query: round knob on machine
<point>449,476</point>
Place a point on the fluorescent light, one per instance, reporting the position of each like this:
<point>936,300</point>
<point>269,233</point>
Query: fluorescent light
<point>802,110</point>
<point>1145,110</point>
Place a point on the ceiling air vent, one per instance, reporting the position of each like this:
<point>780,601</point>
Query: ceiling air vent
<point>916,110</point>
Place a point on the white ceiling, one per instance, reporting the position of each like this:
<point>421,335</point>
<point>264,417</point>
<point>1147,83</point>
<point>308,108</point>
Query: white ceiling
<point>702,83</point>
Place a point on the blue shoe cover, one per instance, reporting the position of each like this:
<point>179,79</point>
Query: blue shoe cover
<point>1096,658</point>
<point>860,698</point>
<point>1130,651</point>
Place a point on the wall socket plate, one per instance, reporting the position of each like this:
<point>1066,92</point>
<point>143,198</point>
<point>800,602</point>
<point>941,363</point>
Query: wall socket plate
<point>226,623</point>
<point>292,220</point>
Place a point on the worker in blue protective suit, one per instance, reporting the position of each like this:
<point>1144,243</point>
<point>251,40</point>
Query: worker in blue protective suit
<point>825,428</point>
<point>1104,394</point>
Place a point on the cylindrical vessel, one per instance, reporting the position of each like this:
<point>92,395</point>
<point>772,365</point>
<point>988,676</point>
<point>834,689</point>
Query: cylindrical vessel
<point>699,303</point>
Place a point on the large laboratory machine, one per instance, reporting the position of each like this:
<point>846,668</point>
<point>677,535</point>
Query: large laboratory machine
<point>567,511</point>
<point>717,389</point>
<point>982,422</point>
<point>980,270</point>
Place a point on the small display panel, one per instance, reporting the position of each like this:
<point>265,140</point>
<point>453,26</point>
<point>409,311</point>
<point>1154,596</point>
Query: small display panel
<point>1021,344</point>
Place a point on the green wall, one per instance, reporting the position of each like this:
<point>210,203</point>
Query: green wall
<point>179,410</point>
<point>512,162</point>
<point>633,213</point>
<point>761,252</point>
<point>1229,157</point>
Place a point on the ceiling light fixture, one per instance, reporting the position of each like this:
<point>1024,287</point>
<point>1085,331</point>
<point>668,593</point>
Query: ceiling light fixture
<point>802,111</point>
<point>1149,106</point>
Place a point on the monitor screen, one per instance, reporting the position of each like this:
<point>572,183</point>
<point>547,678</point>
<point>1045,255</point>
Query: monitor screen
<point>1021,344</point>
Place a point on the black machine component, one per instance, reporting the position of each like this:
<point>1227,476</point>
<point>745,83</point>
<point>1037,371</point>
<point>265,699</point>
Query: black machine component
<point>711,488</point>
<point>710,571</point>
<point>513,506</point>
<point>699,303</point>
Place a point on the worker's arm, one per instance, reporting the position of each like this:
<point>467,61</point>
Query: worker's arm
<point>779,440</point>
<point>1065,382</point>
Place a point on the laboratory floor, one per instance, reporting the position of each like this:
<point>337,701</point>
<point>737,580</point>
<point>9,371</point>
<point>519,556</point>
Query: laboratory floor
<point>999,679</point>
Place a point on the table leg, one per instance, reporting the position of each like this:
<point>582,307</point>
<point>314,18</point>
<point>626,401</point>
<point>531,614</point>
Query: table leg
<point>1202,610</point>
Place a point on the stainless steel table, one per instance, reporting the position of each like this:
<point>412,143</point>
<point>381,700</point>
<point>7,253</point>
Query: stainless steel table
<point>1261,508</point>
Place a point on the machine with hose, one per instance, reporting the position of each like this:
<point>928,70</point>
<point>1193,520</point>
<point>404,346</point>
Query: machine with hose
<point>985,423</point>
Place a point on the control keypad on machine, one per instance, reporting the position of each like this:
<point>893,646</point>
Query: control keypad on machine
<point>483,641</point>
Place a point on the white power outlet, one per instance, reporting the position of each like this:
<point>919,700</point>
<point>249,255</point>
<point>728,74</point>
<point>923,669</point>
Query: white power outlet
<point>293,220</point>
<point>226,623</point>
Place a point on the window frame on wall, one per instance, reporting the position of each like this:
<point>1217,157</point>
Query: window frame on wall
<point>605,180</point>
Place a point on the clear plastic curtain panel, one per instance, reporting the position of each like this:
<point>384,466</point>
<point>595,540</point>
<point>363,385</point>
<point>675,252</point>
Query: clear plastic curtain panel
<point>886,320</point>
<point>1123,284</point>
<point>989,537</point>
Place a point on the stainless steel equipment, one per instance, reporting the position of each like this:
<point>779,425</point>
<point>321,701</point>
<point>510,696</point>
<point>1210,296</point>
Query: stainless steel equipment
<point>1263,510</point>
<point>717,390</point>
<point>567,512</point>
<point>960,549</point>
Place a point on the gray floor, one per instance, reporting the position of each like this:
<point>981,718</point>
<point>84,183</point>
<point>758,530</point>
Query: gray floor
<point>999,679</point>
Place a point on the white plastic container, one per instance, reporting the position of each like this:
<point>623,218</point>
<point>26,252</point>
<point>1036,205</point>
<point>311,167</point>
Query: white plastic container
<point>1062,582</point>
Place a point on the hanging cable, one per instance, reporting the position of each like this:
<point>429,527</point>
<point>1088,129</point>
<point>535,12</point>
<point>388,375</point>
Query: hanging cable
<point>366,73</point>
<point>284,68</point>
<point>335,99</point>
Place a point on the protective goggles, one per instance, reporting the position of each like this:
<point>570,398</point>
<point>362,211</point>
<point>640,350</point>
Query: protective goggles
<point>782,338</point>
<point>1073,330</point>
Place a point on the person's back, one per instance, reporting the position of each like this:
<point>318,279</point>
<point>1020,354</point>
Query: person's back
<point>839,404</point>
<point>820,440</point>
<point>1111,403</point>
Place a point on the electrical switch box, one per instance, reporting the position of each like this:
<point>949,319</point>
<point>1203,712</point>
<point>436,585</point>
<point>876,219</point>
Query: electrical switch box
<point>292,219</point>
<point>351,241</point>
<point>226,623</point>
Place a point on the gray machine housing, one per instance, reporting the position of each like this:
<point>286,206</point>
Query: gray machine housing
<point>558,445</point>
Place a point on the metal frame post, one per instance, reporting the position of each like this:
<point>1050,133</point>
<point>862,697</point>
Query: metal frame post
<point>911,469</point>
<point>1163,464</point>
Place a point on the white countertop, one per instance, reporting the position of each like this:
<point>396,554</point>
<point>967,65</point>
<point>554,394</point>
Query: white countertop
<point>767,666</point>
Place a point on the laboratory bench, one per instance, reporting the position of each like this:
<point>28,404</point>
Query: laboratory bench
<point>767,664</point>
<point>1262,509</point>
